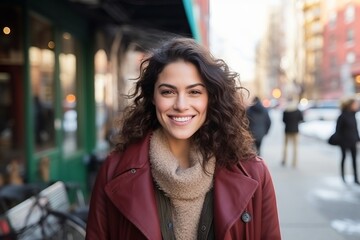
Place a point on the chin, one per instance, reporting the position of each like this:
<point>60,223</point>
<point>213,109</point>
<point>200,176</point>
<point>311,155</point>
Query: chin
<point>182,136</point>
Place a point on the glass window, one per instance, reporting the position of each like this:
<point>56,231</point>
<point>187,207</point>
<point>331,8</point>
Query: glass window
<point>350,57</point>
<point>350,36</point>
<point>103,92</point>
<point>12,114</point>
<point>69,77</point>
<point>42,63</point>
<point>349,13</point>
<point>332,19</point>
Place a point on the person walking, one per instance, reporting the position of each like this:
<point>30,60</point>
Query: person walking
<point>292,117</point>
<point>348,135</point>
<point>184,166</point>
<point>259,122</point>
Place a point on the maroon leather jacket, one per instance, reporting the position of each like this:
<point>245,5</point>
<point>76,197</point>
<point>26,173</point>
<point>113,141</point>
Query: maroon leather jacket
<point>123,204</point>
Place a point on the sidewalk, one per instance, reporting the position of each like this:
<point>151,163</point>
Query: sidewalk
<point>300,218</point>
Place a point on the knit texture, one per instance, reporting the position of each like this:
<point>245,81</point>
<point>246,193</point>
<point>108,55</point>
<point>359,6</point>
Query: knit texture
<point>186,188</point>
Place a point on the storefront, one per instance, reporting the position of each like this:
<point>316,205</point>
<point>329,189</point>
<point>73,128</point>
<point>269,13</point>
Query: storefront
<point>61,81</point>
<point>46,104</point>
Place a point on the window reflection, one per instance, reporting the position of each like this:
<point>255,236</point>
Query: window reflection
<point>12,112</point>
<point>42,62</point>
<point>102,93</point>
<point>69,73</point>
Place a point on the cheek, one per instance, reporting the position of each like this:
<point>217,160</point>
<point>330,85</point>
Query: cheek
<point>161,105</point>
<point>202,105</point>
<point>202,108</point>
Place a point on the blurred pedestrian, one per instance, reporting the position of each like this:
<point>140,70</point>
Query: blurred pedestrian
<point>184,166</point>
<point>292,117</point>
<point>259,122</point>
<point>347,131</point>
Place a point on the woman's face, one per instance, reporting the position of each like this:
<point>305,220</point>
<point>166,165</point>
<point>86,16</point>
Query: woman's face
<point>181,100</point>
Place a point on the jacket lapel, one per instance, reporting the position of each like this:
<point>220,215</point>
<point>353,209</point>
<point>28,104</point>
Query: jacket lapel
<point>233,190</point>
<point>132,190</point>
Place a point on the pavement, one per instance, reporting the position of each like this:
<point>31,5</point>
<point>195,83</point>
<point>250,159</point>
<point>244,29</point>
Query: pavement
<point>313,202</point>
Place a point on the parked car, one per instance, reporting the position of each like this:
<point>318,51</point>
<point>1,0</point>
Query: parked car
<point>327,110</point>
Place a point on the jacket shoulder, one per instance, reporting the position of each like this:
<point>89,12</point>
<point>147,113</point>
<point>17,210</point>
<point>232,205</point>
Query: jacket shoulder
<point>135,156</point>
<point>256,168</point>
<point>109,165</point>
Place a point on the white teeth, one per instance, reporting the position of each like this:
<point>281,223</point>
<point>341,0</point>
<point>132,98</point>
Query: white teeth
<point>181,119</point>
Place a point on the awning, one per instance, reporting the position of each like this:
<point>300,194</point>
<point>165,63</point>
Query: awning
<point>173,16</point>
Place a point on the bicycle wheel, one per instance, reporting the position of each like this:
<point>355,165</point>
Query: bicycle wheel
<point>69,231</point>
<point>54,226</point>
<point>65,226</point>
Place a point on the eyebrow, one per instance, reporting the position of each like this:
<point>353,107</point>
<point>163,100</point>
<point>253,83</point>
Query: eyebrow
<point>188,87</point>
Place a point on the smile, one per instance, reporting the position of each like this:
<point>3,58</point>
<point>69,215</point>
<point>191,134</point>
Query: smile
<point>181,119</point>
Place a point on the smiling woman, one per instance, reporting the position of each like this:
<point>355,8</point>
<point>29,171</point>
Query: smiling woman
<point>184,155</point>
<point>181,100</point>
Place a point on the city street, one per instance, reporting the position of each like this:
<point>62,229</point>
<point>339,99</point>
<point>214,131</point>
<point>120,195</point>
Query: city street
<point>313,202</point>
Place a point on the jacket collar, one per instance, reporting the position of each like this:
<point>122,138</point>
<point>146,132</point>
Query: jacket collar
<point>233,189</point>
<point>131,189</point>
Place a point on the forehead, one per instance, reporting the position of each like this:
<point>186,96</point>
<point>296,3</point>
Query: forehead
<point>179,72</point>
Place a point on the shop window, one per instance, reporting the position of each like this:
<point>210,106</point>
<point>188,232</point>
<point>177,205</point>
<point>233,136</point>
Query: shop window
<point>42,63</point>
<point>69,77</point>
<point>103,98</point>
<point>12,113</point>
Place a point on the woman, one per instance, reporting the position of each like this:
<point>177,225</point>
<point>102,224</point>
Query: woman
<point>346,128</point>
<point>184,166</point>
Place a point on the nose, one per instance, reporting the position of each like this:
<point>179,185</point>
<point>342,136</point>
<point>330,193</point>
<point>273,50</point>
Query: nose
<point>180,103</point>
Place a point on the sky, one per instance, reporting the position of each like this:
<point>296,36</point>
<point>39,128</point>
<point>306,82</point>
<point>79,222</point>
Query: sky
<point>235,28</point>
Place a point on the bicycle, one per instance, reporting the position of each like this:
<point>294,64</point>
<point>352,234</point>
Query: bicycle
<point>42,216</point>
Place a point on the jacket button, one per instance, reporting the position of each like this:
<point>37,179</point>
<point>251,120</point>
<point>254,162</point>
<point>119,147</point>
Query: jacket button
<point>170,225</point>
<point>245,217</point>
<point>203,228</point>
<point>133,170</point>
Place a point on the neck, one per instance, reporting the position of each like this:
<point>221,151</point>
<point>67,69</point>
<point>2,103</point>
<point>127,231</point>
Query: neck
<point>180,148</point>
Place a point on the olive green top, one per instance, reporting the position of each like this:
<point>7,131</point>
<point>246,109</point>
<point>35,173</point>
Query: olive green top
<point>205,229</point>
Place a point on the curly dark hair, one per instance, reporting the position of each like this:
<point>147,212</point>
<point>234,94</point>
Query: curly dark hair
<point>224,133</point>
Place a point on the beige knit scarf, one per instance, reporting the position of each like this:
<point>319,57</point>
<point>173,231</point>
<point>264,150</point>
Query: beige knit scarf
<point>186,188</point>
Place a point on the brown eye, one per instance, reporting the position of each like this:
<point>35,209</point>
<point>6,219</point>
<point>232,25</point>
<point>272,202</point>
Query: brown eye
<point>195,92</point>
<point>166,92</point>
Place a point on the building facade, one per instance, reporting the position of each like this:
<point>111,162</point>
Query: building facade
<point>341,53</point>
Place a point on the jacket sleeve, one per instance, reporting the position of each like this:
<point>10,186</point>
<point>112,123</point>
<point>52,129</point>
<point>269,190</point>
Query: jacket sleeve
<point>270,220</point>
<point>97,223</point>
